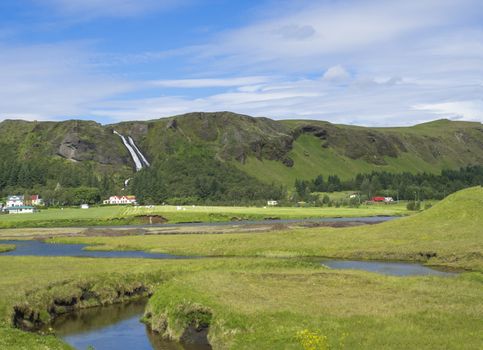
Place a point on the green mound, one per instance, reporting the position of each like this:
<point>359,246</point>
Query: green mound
<point>6,247</point>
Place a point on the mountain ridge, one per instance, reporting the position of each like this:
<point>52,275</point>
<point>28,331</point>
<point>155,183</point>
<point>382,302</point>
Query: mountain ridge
<point>270,150</point>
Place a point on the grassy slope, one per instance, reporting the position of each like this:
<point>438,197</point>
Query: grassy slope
<point>311,160</point>
<point>127,215</point>
<point>318,161</point>
<point>451,229</point>
<point>423,142</point>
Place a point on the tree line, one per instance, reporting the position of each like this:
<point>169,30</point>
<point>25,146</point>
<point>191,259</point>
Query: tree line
<point>195,177</point>
<point>200,178</point>
<point>405,186</point>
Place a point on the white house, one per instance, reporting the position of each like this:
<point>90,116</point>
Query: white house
<point>120,200</point>
<point>388,200</point>
<point>15,201</point>
<point>272,203</point>
<point>84,206</point>
<point>20,209</point>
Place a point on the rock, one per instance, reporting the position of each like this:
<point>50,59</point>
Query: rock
<point>288,162</point>
<point>73,148</point>
<point>172,124</point>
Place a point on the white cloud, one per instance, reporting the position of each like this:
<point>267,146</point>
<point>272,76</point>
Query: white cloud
<point>52,81</point>
<point>368,62</point>
<point>218,82</point>
<point>336,74</point>
<point>332,28</point>
<point>462,110</point>
<point>295,31</point>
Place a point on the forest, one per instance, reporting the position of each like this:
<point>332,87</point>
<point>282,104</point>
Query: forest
<point>405,186</point>
<point>196,177</point>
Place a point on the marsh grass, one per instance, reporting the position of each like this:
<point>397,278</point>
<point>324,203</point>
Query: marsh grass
<point>6,247</point>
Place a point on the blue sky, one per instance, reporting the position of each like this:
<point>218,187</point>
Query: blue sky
<point>365,62</point>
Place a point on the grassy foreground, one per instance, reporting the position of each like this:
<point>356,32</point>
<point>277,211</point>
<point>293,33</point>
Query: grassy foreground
<point>337,310</point>
<point>268,303</point>
<point>448,234</point>
<point>127,215</point>
<point>257,303</point>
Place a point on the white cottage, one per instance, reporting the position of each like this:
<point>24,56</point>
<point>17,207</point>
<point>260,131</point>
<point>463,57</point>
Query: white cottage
<point>15,201</point>
<point>114,200</point>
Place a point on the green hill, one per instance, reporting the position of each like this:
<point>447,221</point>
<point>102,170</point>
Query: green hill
<point>259,149</point>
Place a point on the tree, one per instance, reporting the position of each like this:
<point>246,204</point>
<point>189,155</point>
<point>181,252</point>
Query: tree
<point>318,184</point>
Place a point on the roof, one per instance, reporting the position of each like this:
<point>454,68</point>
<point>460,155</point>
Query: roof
<point>20,207</point>
<point>121,197</point>
<point>15,197</point>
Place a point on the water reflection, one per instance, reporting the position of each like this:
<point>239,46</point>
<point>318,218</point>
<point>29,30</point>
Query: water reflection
<point>386,268</point>
<point>113,327</point>
<point>39,248</point>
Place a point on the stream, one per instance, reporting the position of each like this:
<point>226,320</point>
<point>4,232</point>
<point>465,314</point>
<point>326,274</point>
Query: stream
<point>40,248</point>
<point>118,326</point>
<point>115,326</point>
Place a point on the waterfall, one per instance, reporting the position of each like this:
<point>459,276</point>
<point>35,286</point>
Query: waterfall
<point>136,149</point>
<point>134,156</point>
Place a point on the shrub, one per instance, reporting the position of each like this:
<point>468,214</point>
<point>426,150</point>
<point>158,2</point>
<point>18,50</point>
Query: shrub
<point>411,206</point>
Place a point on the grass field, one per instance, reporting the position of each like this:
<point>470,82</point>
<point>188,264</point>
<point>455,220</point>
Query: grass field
<point>261,303</point>
<point>344,310</point>
<point>125,215</point>
<point>257,300</point>
<point>447,234</point>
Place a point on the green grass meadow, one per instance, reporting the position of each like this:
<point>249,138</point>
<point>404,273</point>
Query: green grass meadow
<point>125,215</point>
<point>262,292</point>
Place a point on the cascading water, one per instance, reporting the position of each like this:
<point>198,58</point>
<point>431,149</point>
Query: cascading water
<point>134,155</point>
<point>138,152</point>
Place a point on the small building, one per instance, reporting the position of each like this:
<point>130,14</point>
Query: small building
<point>84,206</point>
<point>272,203</point>
<point>388,200</point>
<point>116,200</point>
<point>15,201</point>
<point>378,199</point>
<point>20,209</point>
<point>34,200</point>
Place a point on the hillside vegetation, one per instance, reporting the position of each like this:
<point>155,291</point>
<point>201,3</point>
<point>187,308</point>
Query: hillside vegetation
<point>222,157</point>
<point>301,149</point>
